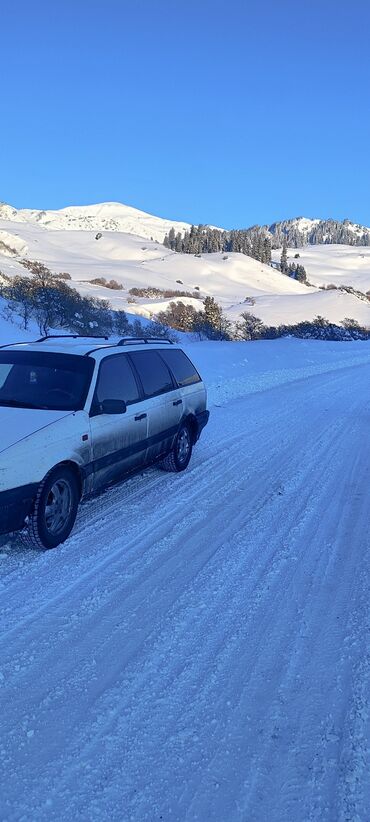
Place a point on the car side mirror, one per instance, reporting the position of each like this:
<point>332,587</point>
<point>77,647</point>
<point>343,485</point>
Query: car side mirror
<point>113,407</point>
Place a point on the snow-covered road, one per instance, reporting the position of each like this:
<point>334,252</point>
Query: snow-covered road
<point>199,649</point>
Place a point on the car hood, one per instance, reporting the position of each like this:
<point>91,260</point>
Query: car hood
<point>18,423</point>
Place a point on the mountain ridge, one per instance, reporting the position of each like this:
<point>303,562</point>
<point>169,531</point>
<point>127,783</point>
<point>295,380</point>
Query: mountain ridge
<point>301,231</point>
<point>115,216</point>
<point>107,216</point>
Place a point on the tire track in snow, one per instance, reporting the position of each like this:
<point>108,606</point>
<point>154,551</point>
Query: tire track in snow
<point>159,739</point>
<point>230,476</point>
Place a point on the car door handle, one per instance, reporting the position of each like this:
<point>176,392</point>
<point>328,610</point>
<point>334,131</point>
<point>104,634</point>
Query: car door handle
<point>177,402</point>
<point>140,417</point>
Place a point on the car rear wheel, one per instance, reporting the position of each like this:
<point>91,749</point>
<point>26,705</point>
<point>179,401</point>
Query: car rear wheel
<point>178,459</point>
<point>55,510</point>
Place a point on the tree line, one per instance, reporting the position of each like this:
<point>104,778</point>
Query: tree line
<point>203,239</point>
<point>258,240</point>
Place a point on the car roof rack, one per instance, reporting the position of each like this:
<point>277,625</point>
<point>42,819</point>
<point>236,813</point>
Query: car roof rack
<point>132,341</point>
<point>121,342</point>
<point>73,337</point>
<point>54,337</point>
<point>146,340</point>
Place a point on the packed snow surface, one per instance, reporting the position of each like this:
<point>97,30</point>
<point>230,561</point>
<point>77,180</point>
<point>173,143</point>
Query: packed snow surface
<point>199,648</point>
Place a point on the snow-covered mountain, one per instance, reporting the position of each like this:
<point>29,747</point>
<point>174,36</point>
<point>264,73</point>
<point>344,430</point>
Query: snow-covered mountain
<point>119,217</point>
<point>65,241</point>
<point>100,217</point>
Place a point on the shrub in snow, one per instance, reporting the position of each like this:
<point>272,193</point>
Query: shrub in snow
<point>166,293</point>
<point>252,328</point>
<point>322,329</point>
<point>210,322</point>
<point>249,327</point>
<point>112,284</point>
<point>63,275</point>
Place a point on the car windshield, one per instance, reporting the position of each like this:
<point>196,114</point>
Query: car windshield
<point>30,379</point>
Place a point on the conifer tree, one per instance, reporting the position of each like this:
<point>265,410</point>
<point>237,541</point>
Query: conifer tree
<point>172,239</point>
<point>267,250</point>
<point>284,257</point>
<point>212,312</point>
<point>215,323</point>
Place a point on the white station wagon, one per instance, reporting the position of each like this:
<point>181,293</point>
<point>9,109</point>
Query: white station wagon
<point>79,413</point>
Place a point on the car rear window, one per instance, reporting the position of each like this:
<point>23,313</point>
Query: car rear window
<point>153,372</point>
<point>182,368</point>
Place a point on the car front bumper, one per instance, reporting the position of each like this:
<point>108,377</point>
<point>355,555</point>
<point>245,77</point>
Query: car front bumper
<point>15,506</point>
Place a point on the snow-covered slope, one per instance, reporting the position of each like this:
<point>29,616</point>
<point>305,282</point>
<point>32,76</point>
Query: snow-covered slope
<point>334,264</point>
<point>66,242</point>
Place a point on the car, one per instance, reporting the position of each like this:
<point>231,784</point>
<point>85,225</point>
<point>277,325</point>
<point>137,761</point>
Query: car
<point>79,413</point>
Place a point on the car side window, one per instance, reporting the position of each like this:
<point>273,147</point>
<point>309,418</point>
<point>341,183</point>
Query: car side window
<point>153,372</point>
<point>116,381</point>
<point>182,368</point>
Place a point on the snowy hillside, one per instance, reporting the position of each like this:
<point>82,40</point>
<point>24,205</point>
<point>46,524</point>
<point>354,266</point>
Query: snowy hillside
<point>66,242</point>
<point>334,264</point>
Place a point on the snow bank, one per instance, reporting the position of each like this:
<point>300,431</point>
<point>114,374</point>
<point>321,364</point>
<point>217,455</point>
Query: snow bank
<point>233,370</point>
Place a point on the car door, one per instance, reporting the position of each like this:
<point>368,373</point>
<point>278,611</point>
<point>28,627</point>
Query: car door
<point>119,441</point>
<point>163,401</point>
<point>192,390</point>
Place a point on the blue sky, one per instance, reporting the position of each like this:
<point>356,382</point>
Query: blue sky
<point>226,112</point>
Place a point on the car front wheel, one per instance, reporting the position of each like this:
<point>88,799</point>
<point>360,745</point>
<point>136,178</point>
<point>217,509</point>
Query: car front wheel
<point>54,511</point>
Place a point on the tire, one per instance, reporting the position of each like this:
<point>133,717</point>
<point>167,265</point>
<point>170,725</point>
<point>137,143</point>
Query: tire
<point>178,459</point>
<point>55,509</point>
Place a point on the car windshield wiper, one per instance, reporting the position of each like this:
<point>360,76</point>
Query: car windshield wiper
<point>20,404</point>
